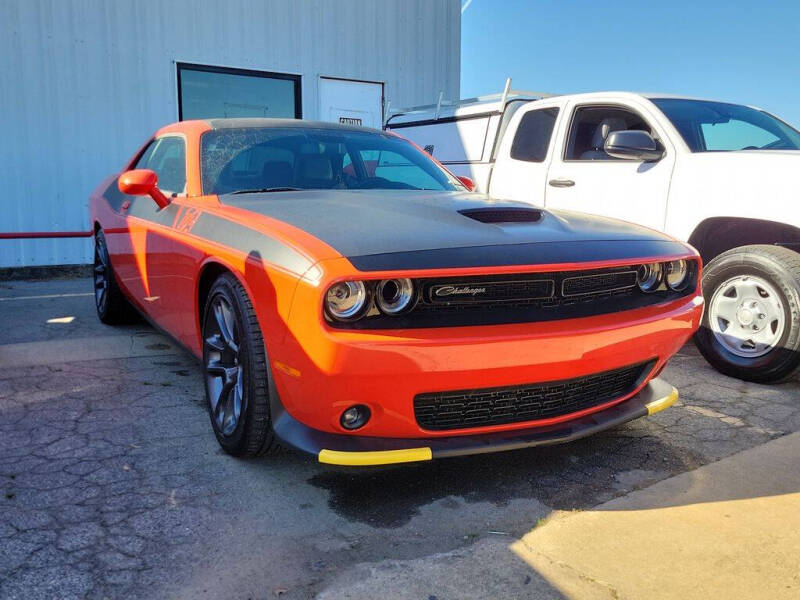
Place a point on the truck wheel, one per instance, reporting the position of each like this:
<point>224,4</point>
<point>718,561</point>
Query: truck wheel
<point>112,306</point>
<point>237,372</point>
<point>751,325</point>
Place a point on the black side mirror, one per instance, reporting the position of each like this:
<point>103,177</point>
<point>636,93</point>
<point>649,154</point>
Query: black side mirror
<point>632,145</point>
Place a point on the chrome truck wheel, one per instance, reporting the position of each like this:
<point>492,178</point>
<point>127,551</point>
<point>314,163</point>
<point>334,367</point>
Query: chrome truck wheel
<point>746,315</point>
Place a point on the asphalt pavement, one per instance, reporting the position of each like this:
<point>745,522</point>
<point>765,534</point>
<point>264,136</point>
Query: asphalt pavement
<point>112,484</point>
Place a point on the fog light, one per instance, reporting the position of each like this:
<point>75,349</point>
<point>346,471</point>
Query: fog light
<point>355,417</point>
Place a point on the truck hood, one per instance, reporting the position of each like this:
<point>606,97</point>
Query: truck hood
<point>388,229</point>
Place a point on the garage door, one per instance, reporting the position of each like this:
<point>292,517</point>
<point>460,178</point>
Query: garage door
<point>354,102</point>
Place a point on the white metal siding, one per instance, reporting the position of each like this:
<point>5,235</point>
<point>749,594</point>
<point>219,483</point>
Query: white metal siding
<point>84,82</point>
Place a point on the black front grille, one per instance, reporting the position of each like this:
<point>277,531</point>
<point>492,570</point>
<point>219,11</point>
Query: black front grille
<point>498,406</point>
<point>593,284</point>
<point>518,298</point>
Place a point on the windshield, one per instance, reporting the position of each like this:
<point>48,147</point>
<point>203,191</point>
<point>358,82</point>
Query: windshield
<point>298,158</point>
<point>721,127</point>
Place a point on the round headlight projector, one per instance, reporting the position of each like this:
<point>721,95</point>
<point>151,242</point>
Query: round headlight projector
<point>355,417</point>
<point>649,276</point>
<point>677,275</point>
<point>346,300</point>
<point>394,296</point>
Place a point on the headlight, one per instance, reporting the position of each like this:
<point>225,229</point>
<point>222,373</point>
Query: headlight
<point>649,277</point>
<point>346,300</point>
<point>677,275</point>
<point>394,296</point>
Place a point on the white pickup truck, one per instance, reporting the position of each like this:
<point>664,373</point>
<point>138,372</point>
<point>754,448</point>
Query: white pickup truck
<point>724,177</point>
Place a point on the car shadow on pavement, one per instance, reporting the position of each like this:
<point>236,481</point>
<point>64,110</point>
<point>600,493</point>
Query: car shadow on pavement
<point>567,477</point>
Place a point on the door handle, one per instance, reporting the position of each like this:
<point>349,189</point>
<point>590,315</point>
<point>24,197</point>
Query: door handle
<point>561,182</point>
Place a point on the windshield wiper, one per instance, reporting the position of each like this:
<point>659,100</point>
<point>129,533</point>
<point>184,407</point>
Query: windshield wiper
<point>263,190</point>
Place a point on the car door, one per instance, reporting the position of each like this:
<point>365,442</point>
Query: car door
<point>153,264</point>
<point>522,160</point>
<point>584,178</point>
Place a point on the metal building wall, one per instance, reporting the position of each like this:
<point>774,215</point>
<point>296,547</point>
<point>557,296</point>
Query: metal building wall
<point>84,82</point>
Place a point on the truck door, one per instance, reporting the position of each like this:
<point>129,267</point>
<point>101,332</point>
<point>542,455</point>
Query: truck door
<point>584,178</point>
<point>522,159</point>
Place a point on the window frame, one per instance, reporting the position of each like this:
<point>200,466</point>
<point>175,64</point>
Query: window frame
<point>297,79</point>
<point>550,140</point>
<point>611,105</point>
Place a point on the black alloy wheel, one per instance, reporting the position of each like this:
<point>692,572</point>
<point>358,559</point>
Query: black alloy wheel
<point>238,381</point>
<point>112,306</point>
<point>224,373</point>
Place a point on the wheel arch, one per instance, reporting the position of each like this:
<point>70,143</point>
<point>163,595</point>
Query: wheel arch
<point>208,274</point>
<point>716,235</point>
<point>210,269</point>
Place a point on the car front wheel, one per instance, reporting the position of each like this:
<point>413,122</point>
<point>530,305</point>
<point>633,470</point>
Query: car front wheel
<point>237,373</point>
<point>751,325</point>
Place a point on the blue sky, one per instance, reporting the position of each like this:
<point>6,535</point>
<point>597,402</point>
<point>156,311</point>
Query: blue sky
<point>746,52</point>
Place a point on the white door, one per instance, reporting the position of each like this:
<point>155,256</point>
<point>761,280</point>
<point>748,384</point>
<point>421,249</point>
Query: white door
<point>583,178</point>
<point>351,102</point>
<point>521,165</point>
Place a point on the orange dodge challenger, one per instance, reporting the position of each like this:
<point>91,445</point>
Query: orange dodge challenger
<point>351,298</point>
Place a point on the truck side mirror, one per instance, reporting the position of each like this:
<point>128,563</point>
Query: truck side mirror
<point>632,145</point>
<point>467,182</point>
<point>142,182</point>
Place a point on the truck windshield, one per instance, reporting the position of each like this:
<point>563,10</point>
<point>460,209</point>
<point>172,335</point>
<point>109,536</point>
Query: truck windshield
<point>720,127</point>
<point>272,159</point>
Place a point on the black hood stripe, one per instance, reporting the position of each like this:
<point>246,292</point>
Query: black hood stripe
<point>250,241</point>
<point>539,253</point>
<point>392,229</point>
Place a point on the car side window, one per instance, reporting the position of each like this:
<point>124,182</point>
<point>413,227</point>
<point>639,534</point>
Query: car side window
<point>168,160</point>
<point>533,135</point>
<point>591,125</point>
<point>145,157</point>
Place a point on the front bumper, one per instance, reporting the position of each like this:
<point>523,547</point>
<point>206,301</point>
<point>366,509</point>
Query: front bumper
<point>349,450</point>
<point>329,371</point>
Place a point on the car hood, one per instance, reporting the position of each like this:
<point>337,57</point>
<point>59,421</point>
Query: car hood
<point>385,229</point>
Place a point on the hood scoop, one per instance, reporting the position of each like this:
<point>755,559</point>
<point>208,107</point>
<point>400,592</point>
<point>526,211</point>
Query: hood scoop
<point>507,214</point>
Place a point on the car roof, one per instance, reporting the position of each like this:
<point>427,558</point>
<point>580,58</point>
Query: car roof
<point>241,123</point>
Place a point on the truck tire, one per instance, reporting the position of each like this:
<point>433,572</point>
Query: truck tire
<point>751,325</point>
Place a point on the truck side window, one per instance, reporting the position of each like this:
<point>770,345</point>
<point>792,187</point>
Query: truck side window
<point>591,126</point>
<point>533,135</point>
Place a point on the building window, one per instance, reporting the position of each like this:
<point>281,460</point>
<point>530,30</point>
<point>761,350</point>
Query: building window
<point>216,92</point>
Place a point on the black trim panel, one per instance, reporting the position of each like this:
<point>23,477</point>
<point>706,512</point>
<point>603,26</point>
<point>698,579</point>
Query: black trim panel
<point>301,437</point>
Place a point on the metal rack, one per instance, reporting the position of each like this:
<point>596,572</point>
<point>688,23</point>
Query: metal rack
<point>486,102</point>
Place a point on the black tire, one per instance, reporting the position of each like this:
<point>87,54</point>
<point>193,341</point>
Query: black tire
<point>247,433</point>
<point>780,268</point>
<point>112,306</point>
